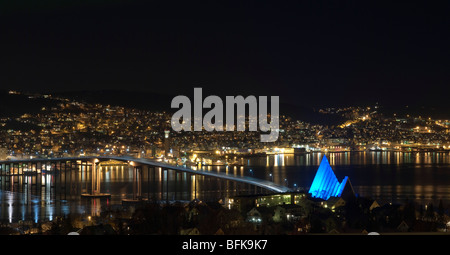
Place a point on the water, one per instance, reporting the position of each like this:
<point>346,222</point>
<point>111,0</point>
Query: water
<point>385,176</point>
<point>22,199</point>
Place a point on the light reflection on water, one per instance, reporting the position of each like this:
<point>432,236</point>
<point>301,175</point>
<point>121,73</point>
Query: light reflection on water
<point>388,176</point>
<point>385,176</point>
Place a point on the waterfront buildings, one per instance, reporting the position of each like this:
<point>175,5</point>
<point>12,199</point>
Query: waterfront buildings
<point>68,127</point>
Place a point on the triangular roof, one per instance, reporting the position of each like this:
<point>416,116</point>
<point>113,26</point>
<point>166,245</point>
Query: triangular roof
<point>253,212</point>
<point>374,205</point>
<point>219,232</point>
<point>334,200</point>
<point>325,183</point>
<point>403,226</point>
<point>347,189</point>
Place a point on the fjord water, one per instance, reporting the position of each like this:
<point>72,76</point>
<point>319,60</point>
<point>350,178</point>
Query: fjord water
<point>388,177</point>
<point>423,177</point>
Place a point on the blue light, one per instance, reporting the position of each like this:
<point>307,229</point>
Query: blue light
<point>325,183</point>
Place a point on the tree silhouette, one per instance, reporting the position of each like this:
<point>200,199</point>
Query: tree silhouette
<point>429,213</point>
<point>441,208</point>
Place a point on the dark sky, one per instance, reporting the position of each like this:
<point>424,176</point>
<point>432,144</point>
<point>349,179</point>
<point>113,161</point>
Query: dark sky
<point>333,52</point>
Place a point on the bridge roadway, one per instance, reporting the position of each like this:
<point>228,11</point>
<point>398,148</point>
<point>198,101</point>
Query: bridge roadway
<point>268,185</point>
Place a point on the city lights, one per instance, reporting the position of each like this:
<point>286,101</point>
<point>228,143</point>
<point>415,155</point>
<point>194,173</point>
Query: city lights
<point>224,118</point>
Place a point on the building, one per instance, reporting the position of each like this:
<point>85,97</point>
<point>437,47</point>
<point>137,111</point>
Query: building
<point>298,202</point>
<point>250,201</point>
<point>326,185</point>
<point>333,203</point>
<point>254,216</point>
<point>3,153</point>
<point>167,143</point>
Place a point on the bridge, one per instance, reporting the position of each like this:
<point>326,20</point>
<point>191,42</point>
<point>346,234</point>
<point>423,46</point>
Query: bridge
<point>12,170</point>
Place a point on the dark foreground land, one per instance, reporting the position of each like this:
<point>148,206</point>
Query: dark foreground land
<point>358,216</point>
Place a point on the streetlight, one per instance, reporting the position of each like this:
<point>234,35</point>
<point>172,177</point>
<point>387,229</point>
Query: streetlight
<point>251,172</point>
<point>271,176</point>
<point>286,181</point>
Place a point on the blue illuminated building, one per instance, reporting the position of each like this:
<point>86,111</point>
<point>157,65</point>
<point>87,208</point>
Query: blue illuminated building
<point>325,183</point>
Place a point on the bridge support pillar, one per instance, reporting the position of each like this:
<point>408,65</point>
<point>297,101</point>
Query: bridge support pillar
<point>137,184</point>
<point>95,182</point>
<point>167,186</point>
<point>195,186</point>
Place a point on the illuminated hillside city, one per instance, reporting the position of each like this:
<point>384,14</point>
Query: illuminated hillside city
<point>75,128</point>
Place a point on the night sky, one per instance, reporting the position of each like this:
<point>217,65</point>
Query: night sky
<point>316,53</point>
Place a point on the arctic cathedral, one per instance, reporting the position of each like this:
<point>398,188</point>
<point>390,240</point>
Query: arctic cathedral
<point>325,183</point>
